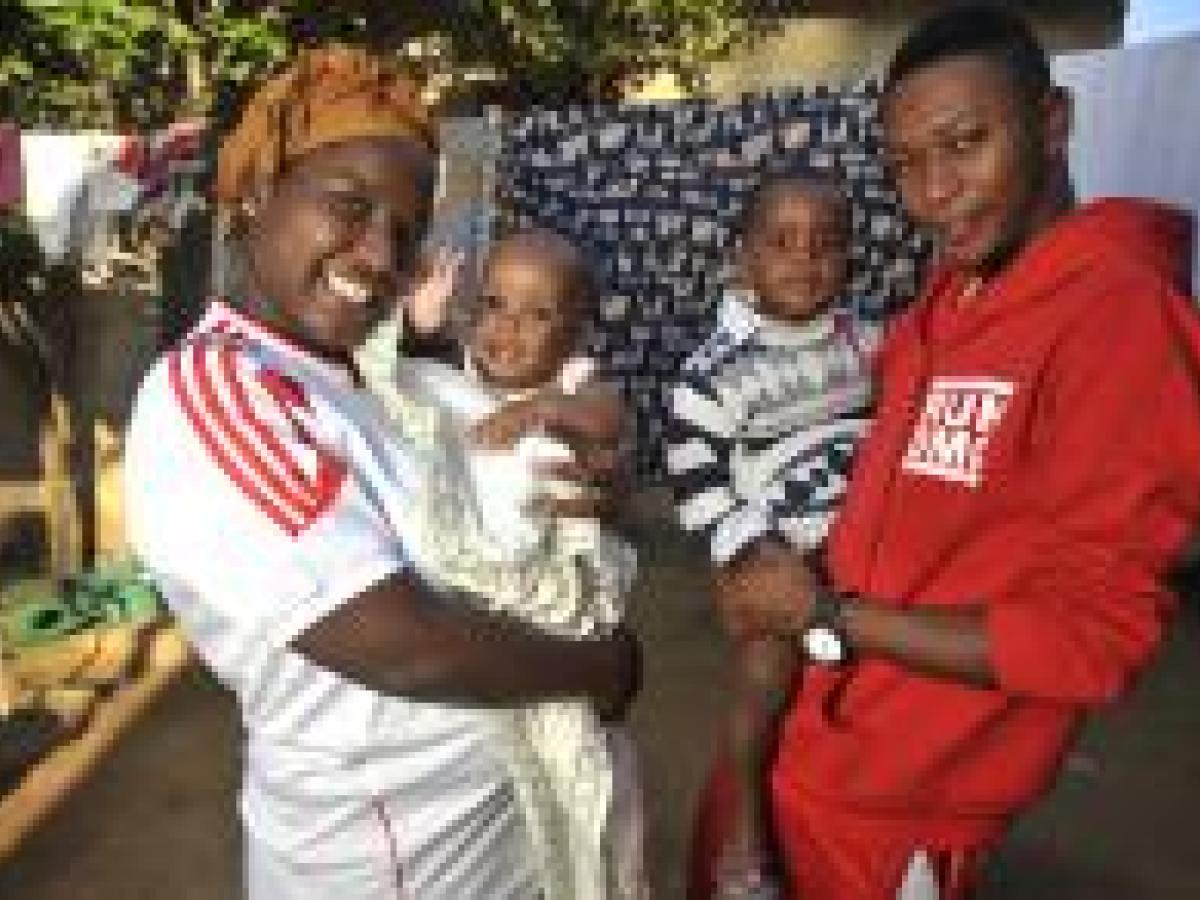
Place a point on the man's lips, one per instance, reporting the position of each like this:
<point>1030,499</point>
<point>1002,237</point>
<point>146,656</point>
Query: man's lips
<point>963,234</point>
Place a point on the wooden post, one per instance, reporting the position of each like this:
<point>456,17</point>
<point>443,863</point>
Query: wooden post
<point>64,526</point>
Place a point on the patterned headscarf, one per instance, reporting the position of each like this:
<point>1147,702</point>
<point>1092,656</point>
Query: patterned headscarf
<point>329,94</point>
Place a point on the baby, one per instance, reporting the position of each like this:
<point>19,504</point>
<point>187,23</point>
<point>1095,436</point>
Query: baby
<point>481,528</point>
<point>762,425</point>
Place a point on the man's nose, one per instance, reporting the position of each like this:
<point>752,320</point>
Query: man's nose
<point>940,184</point>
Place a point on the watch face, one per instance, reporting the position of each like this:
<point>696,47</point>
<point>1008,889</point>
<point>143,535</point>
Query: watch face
<point>823,645</point>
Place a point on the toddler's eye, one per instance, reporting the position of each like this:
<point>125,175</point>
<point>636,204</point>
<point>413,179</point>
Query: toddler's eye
<point>965,143</point>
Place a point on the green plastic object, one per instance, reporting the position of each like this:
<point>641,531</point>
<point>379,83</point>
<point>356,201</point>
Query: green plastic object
<point>41,621</point>
<point>119,596</point>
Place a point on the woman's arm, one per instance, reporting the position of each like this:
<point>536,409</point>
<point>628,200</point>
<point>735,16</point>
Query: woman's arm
<point>399,638</point>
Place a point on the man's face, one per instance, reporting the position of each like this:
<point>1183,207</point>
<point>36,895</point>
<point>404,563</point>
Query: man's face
<point>526,325</point>
<point>333,243</point>
<point>794,253</point>
<point>972,160</point>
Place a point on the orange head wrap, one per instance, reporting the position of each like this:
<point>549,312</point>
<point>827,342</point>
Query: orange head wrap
<point>329,94</point>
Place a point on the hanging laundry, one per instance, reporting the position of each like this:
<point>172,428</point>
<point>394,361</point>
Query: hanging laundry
<point>67,180</point>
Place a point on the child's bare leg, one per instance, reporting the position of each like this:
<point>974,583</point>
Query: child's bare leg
<point>765,668</point>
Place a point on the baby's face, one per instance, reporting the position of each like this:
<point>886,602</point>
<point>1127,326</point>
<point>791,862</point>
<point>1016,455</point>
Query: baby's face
<point>527,320</point>
<point>794,257</point>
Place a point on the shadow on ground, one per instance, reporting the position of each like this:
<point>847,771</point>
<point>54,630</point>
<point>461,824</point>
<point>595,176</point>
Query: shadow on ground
<point>156,822</point>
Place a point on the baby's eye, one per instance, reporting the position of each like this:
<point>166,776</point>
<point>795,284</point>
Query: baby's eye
<point>491,302</point>
<point>351,207</point>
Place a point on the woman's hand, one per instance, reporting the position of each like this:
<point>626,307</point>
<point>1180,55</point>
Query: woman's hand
<point>613,701</point>
<point>590,422</point>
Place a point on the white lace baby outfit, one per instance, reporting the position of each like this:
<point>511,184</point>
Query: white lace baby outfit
<point>576,777</point>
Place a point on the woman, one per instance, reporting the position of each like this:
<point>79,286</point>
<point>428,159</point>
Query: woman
<point>267,493</point>
<point>1031,476</point>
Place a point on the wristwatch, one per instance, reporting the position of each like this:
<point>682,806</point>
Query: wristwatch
<point>823,637</point>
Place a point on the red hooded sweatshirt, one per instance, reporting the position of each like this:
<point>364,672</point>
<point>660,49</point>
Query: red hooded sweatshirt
<point>1036,452</point>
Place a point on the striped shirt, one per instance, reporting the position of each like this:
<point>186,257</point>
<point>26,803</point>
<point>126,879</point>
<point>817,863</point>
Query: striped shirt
<point>762,425</point>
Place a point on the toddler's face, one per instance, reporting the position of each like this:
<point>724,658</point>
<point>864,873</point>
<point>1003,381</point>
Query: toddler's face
<point>794,257</point>
<point>527,321</point>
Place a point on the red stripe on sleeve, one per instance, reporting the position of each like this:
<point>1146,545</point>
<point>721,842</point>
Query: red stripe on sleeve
<point>299,493</point>
<point>218,452</point>
<point>331,472</point>
<point>250,460</point>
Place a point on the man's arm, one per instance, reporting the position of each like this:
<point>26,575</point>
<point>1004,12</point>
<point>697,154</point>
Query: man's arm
<point>771,592</point>
<point>398,638</point>
<point>1084,607</point>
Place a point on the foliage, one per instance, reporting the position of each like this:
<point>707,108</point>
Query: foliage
<point>140,63</point>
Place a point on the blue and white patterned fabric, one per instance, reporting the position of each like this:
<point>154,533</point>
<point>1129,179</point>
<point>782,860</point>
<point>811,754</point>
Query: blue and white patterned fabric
<point>762,426</point>
<point>653,192</point>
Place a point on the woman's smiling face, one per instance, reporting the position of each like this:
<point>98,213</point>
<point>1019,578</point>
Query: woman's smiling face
<point>334,241</point>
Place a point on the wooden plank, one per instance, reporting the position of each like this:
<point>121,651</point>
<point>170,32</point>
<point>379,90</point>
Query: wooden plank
<point>21,496</point>
<point>51,781</point>
<point>63,523</point>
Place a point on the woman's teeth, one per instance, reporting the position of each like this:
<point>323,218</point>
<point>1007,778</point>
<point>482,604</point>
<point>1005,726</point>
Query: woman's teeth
<point>347,289</point>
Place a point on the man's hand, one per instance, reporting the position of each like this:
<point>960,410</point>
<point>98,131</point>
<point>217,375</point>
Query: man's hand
<point>767,592</point>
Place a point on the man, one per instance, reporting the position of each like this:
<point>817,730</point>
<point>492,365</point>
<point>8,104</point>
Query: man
<point>1033,472</point>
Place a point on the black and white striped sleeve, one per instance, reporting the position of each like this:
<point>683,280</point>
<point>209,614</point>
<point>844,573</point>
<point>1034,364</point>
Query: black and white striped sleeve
<point>700,435</point>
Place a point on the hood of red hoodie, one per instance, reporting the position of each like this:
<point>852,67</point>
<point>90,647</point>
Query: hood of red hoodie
<point>1112,233</point>
<point>1148,231</point>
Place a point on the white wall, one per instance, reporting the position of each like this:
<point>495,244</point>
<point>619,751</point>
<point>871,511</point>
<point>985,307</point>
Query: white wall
<point>1137,122</point>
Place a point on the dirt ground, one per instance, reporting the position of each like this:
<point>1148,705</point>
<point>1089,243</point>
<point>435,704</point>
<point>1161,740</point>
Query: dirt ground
<point>157,820</point>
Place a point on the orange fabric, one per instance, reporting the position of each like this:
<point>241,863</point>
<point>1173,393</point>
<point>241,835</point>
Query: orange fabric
<point>328,95</point>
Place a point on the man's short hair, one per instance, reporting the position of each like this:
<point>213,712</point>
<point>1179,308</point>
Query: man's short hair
<point>976,29</point>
